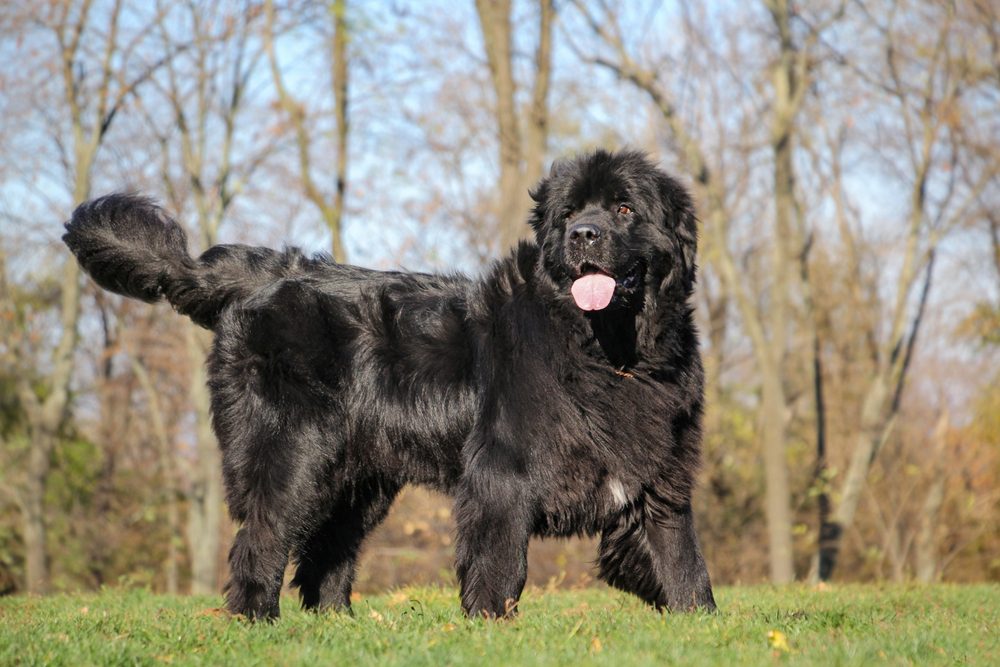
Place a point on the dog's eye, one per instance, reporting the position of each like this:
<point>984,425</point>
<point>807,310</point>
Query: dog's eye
<point>624,209</point>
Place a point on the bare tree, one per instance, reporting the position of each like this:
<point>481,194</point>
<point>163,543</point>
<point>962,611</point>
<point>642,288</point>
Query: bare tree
<point>923,78</point>
<point>305,131</point>
<point>792,77</point>
<point>521,153</point>
<point>206,95</point>
<point>99,73</point>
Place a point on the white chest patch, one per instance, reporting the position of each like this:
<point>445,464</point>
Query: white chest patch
<point>616,490</point>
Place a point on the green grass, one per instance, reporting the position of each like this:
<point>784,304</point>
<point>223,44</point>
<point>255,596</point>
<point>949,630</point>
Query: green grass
<point>857,625</point>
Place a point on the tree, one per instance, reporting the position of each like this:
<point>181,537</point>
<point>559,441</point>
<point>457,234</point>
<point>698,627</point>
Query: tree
<point>95,65</point>
<point>205,94</point>
<point>923,76</point>
<point>521,152</point>
<point>792,77</point>
<point>305,131</point>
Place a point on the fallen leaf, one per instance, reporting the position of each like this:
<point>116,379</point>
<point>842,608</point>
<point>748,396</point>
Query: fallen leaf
<point>778,641</point>
<point>214,611</point>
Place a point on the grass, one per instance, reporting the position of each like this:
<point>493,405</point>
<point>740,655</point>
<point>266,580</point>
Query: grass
<point>843,625</point>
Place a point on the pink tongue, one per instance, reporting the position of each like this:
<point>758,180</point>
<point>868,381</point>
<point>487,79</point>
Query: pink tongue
<point>593,291</point>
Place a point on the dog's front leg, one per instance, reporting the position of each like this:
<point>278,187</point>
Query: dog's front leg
<point>493,523</point>
<point>651,549</point>
<point>677,557</point>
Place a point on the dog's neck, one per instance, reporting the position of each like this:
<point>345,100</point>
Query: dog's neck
<point>615,335</point>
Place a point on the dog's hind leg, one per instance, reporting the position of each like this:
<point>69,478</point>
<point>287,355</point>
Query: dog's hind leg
<point>326,560</point>
<point>257,566</point>
<point>272,402</point>
<point>272,489</point>
<point>651,550</point>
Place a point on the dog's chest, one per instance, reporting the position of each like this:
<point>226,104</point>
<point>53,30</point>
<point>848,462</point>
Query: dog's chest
<point>597,449</point>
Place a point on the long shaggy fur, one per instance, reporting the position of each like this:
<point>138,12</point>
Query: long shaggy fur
<point>334,386</point>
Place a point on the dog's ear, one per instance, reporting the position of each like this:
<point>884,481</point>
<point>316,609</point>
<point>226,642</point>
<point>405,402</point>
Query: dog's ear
<point>682,223</point>
<point>687,234</point>
<point>540,192</point>
<point>559,167</point>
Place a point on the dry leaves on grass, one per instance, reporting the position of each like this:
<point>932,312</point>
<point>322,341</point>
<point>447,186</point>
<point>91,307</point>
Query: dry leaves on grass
<point>777,640</point>
<point>216,612</point>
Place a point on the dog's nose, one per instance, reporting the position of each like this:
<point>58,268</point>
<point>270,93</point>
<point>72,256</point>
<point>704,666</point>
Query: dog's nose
<point>584,232</point>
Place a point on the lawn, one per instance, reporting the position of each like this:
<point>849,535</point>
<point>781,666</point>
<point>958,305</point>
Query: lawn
<point>855,625</point>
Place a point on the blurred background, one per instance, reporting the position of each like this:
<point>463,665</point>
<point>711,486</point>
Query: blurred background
<point>845,157</point>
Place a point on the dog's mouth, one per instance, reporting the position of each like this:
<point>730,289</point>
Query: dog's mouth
<point>595,287</point>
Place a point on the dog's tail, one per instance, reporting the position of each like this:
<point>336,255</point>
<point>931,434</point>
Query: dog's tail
<point>129,246</point>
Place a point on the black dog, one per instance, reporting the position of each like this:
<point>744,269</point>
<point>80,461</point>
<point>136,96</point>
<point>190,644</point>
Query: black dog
<point>560,394</point>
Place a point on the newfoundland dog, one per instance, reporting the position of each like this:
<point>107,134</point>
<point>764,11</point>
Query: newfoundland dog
<point>559,394</point>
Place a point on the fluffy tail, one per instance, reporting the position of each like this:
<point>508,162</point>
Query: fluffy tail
<point>128,245</point>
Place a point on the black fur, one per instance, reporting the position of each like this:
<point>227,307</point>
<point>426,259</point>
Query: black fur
<point>333,386</point>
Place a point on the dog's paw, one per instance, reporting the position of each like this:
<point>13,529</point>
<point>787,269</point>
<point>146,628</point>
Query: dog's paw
<point>490,609</point>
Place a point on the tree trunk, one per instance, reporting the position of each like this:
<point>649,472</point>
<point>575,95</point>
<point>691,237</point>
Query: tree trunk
<point>788,78</point>
<point>536,132</point>
<point>330,210</point>
<point>926,546</point>
<point>33,516</point>
<point>870,430</point>
<point>777,506</point>
<point>206,497</point>
<point>340,89</point>
<point>827,540</point>
<point>926,541</point>
<point>494,19</point>
<point>168,474</point>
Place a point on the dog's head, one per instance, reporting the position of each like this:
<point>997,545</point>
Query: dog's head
<point>614,231</point>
